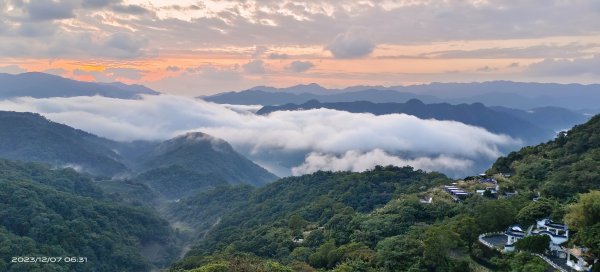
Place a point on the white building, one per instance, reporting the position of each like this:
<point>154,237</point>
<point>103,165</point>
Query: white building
<point>456,192</point>
<point>493,190</point>
<point>514,233</point>
<point>558,233</point>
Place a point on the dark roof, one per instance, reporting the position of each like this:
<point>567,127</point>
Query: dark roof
<point>553,224</point>
<point>551,234</point>
<point>515,233</point>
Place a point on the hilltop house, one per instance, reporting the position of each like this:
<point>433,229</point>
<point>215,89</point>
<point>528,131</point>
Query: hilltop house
<point>488,180</point>
<point>558,233</point>
<point>576,258</point>
<point>456,193</point>
<point>492,190</point>
<point>513,233</point>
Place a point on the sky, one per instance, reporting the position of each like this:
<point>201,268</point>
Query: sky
<point>196,48</point>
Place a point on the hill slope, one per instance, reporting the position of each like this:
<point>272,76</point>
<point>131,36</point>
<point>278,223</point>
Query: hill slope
<point>173,168</point>
<point>561,167</point>
<point>46,212</point>
<point>31,137</point>
<point>203,153</point>
<point>255,220</point>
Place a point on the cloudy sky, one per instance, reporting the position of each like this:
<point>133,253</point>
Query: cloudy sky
<point>202,47</point>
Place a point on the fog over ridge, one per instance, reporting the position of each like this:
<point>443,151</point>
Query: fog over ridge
<point>285,142</point>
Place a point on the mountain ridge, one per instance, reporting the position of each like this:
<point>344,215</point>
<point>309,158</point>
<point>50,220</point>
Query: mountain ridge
<point>515,123</point>
<point>209,161</point>
<point>521,95</point>
<point>42,85</point>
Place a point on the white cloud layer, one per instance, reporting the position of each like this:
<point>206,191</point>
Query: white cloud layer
<point>308,140</point>
<point>357,161</point>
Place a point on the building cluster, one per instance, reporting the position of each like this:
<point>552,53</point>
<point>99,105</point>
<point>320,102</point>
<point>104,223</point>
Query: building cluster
<point>492,188</point>
<point>559,234</point>
<point>456,192</point>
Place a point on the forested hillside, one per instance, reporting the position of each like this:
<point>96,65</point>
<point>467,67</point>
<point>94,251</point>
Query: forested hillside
<point>370,221</point>
<point>173,168</point>
<point>60,213</point>
<point>385,219</point>
<point>31,137</point>
<point>198,160</point>
<point>560,168</point>
<point>381,220</point>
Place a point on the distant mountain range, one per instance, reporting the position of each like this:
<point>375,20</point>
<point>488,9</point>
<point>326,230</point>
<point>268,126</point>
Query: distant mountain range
<point>265,98</point>
<point>509,94</point>
<point>532,126</point>
<point>41,85</point>
<point>184,162</point>
<point>494,93</point>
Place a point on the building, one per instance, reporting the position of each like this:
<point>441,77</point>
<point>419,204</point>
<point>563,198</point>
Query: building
<point>575,258</point>
<point>426,200</point>
<point>488,180</point>
<point>514,233</point>
<point>558,233</point>
<point>456,192</point>
<point>510,194</point>
<point>492,190</point>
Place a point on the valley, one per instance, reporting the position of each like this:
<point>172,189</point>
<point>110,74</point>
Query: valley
<point>299,136</point>
<point>325,220</point>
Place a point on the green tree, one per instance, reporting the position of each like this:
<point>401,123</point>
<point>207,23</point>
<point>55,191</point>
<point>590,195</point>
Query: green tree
<point>213,267</point>
<point>534,211</point>
<point>466,226</point>
<point>534,244</point>
<point>326,256</point>
<point>399,253</point>
<point>584,217</point>
<point>438,243</point>
<point>301,254</point>
<point>296,222</point>
<point>271,266</point>
<point>523,262</point>
<point>585,212</point>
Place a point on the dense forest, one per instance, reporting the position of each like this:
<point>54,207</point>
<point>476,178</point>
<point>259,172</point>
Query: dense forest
<point>172,169</point>
<point>45,212</point>
<point>561,168</point>
<point>385,219</point>
<point>377,221</point>
<point>371,221</point>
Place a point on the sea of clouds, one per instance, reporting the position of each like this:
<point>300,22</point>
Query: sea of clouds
<point>285,142</point>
